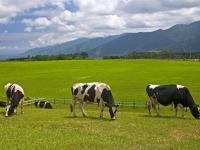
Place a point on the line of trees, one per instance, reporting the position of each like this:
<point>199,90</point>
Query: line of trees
<point>132,55</point>
<point>157,55</point>
<point>82,55</point>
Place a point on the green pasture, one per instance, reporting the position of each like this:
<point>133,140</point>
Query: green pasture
<point>132,130</point>
<point>127,78</point>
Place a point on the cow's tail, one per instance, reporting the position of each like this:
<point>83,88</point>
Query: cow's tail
<point>71,106</point>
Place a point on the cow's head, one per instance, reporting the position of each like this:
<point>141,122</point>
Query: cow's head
<point>114,109</point>
<point>195,111</point>
<point>9,109</point>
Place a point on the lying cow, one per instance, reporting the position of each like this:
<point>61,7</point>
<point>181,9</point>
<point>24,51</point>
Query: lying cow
<point>177,95</point>
<point>43,104</point>
<point>93,92</point>
<point>2,104</point>
<point>15,96</point>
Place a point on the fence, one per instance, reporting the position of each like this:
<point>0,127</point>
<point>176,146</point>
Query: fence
<point>121,103</point>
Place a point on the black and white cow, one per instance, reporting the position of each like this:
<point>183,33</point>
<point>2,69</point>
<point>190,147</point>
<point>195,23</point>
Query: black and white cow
<point>43,104</point>
<point>3,104</point>
<point>15,96</point>
<point>93,92</point>
<point>177,95</point>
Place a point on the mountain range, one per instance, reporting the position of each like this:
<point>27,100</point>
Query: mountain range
<point>181,37</point>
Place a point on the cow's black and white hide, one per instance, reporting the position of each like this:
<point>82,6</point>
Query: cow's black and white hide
<point>43,104</point>
<point>15,96</point>
<point>177,95</point>
<point>93,92</point>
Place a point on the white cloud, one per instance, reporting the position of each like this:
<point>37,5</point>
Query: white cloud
<point>50,39</point>
<point>28,29</point>
<point>10,8</point>
<point>104,22</point>
<point>66,15</point>
<point>38,22</point>
<point>6,12</point>
<point>60,25</point>
<point>97,6</point>
<point>97,17</point>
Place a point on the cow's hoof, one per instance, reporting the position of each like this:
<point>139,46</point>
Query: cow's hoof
<point>101,117</point>
<point>149,115</point>
<point>85,116</point>
<point>113,118</point>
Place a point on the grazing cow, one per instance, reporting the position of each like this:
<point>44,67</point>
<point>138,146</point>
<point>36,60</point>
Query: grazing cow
<point>177,95</point>
<point>93,92</point>
<point>15,96</point>
<point>2,104</point>
<point>43,104</point>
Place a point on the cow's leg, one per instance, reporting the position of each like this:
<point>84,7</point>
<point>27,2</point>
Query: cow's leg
<point>176,110</point>
<point>148,106</point>
<point>72,106</point>
<point>156,109</point>
<point>101,107</point>
<point>155,105</point>
<point>185,109</point>
<point>15,110</point>
<point>22,105</point>
<point>81,105</point>
<point>182,109</point>
<point>172,107</point>
<point>7,109</point>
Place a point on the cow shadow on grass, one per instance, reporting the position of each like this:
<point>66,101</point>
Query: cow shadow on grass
<point>166,117</point>
<point>87,118</point>
<point>2,113</point>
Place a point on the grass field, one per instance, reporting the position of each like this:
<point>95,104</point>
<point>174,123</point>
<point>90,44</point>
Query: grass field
<point>127,78</point>
<point>56,129</point>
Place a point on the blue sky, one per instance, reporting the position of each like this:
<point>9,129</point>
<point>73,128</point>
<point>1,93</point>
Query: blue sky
<point>37,23</point>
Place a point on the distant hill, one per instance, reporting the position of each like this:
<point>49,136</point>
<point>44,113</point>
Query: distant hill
<point>177,38</point>
<point>70,47</point>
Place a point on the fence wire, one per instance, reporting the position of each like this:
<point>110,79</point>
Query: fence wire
<point>121,103</point>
